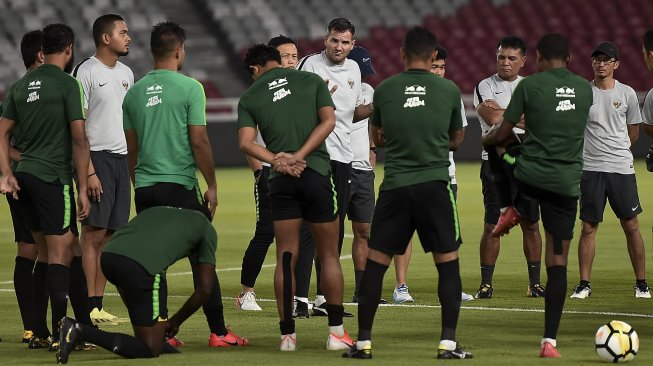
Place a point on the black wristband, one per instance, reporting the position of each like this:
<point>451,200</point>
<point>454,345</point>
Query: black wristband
<point>373,149</point>
<point>257,173</point>
<point>90,175</point>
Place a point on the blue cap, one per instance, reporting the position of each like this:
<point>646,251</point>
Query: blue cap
<point>364,60</point>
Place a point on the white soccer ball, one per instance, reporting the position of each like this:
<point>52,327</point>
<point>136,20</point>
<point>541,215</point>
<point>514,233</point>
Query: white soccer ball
<point>616,342</point>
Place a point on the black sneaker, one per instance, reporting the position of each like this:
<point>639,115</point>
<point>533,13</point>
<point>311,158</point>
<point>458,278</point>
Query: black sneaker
<point>301,310</point>
<point>353,352</point>
<point>68,339</point>
<point>38,342</point>
<point>322,311</point>
<point>456,354</point>
<point>535,290</point>
<point>485,291</point>
<point>354,299</point>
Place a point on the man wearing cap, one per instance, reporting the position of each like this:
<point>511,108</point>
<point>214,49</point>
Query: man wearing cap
<point>361,195</point>
<point>608,172</point>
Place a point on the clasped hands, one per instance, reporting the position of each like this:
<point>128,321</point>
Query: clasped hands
<point>286,163</point>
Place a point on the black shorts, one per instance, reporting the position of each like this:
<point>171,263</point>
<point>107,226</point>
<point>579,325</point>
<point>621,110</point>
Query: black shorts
<point>429,208</point>
<point>311,197</point>
<point>21,230</point>
<point>262,198</point>
<point>145,296</point>
<point>48,207</point>
<point>598,187</point>
<point>112,212</point>
<point>490,195</point>
<point>170,194</point>
<point>341,177</point>
<point>361,196</point>
<point>558,211</point>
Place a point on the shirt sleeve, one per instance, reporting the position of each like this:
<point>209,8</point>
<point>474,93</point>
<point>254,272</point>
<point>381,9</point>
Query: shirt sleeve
<point>463,115</point>
<point>208,245</point>
<point>197,105</point>
<point>633,114</point>
<point>245,118</point>
<point>516,107</point>
<point>647,109</point>
<point>83,75</point>
<point>74,101</point>
<point>482,92</point>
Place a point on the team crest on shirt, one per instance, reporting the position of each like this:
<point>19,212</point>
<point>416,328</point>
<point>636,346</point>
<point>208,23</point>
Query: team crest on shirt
<point>278,83</point>
<point>125,84</point>
<point>350,81</point>
<point>616,104</point>
<point>565,92</point>
<point>154,89</point>
<point>415,90</point>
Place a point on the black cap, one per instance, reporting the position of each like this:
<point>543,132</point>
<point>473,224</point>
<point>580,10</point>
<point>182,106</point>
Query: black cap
<point>606,48</point>
<point>364,60</point>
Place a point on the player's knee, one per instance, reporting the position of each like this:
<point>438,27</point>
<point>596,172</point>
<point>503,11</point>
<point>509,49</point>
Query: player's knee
<point>589,228</point>
<point>630,226</point>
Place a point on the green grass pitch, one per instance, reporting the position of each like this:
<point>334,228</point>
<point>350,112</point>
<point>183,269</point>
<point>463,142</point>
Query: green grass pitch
<point>503,331</point>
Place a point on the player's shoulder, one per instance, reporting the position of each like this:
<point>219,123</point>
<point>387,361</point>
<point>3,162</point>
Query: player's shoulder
<point>625,88</point>
<point>84,67</point>
<point>310,60</point>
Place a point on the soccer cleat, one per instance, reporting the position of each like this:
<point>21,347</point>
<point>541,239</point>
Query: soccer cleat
<point>85,347</point>
<point>353,352</point>
<point>466,297</point>
<point>581,291</point>
<point>335,343</point>
<point>54,347</point>
<point>535,290</point>
<point>288,343</point>
<point>320,310</point>
<point>101,317</point>
<point>107,316</point>
<point>507,220</point>
<point>27,335</point>
<point>454,354</point>
<point>175,342</point>
<point>301,310</point>
<point>229,340</point>
<point>38,342</point>
<point>354,300</point>
<point>400,295</point>
<point>642,291</point>
<point>68,339</point>
<point>549,351</point>
<point>485,291</point>
<point>247,301</point>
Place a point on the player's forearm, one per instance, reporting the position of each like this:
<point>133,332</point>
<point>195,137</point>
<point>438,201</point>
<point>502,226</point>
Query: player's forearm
<point>14,154</point>
<point>363,111</point>
<point>204,161</point>
<point>455,138</point>
<point>648,129</point>
<point>194,302</point>
<point>81,157</point>
<point>317,137</point>
<point>633,133</point>
<point>5,165</point>
<point>490,115</point>
<point>253,163</point>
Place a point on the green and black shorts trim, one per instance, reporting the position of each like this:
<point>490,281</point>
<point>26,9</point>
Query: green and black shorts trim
<point>170,194</point>
<point>145,295</point>
<point>311,197</point>
<point>48,207</point>
<point>428,208</point>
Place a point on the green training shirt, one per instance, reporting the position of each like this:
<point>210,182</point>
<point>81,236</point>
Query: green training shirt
<point>555,105</point>
<point>160,108</point>
<point>283,104</point>
<point>416,110</point>
<point>159,236</point>
<point>43,103</point>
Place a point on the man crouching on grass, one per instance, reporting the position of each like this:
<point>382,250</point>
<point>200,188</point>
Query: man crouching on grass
<point>135,260</point>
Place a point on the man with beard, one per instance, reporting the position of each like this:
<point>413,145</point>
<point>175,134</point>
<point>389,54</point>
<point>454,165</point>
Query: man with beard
<point>105,81</point>
<point>46,105</point>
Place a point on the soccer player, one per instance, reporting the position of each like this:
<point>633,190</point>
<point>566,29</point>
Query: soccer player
<point>295,113</point>
<point>164,117</point>
<point>105,81</point>
<point>45,105</point>
<point>344,75</point>
<point>555,104</point>
<point>416,192</point>
<point>647,108</point>
<point>491,97</point>
<point>608,171</point>
<point>135,260</point>
<point>27,253</point>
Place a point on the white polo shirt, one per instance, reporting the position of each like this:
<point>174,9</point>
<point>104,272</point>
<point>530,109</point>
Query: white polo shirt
<point>104,89</point>
<point>360,134</point>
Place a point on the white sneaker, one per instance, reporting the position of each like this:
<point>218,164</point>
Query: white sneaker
<point>247,301</point>
<point>642,291</point>
<point>466,297</point>
<point>582,291</point>
<point>288,342</point>
<point>400,295</point>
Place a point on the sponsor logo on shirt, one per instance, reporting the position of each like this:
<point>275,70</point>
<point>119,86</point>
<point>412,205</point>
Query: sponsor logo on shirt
<point>278,83</point>
<point>616,104</point>
<point>34,84</point>
<point>153,101</point>
<point>152,89</point>
<point>413,102</point>
<point>415,90</point>
<point>565,92</point>
<point>280,94</point>
<point>565,105</point>
<point>33,96</point>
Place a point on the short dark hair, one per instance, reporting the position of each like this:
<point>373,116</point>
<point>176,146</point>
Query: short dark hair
<point>259,55</point>
<point>30,46</point>
<point>419,43</point>
<point>513,42</point>
<point>279,40</point>
<point>341,25</point>
<point>166,38</point>
<point>553,46</point>
<point>648,40</point>
<point>442,53</point>
<point>104,25</point>
<point>56,37</point>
